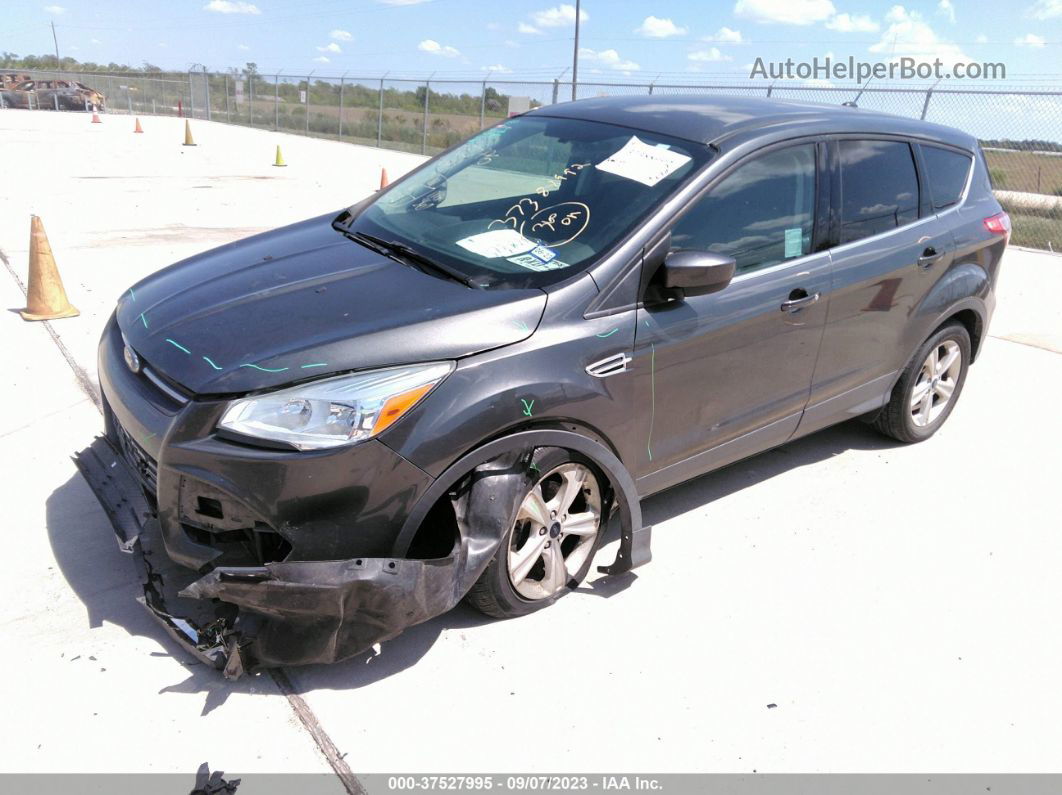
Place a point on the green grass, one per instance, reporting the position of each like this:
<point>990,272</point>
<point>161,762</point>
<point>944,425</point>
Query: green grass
<point>1035,228</point>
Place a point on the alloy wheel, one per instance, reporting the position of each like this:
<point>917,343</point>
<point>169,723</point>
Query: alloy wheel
<point>555,531</point>
<point>936,383</point>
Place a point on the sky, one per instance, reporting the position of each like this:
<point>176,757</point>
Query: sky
<point>635,40</point>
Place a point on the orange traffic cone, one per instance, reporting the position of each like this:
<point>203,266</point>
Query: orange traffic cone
<point>188,134</point>
<point>96,118</point>
<point>138,128</point>
<point>384,181</point>
<point>46,299</point>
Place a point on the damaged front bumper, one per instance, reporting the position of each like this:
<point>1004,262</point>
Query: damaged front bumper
<point>243,618</point>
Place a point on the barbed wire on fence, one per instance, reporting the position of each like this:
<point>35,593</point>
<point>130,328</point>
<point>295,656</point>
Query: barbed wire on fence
<point>1020,129</point>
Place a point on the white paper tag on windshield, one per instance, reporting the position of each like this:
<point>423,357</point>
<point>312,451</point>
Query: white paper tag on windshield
<point>643,163</point>
<point>497,243</point>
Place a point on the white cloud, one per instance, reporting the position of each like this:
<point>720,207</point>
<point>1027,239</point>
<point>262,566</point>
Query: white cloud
<point>498,68</point>
<point>1031,40</point>
<point>55,10</point>
<point>330,47</point>
<point>231,7</point>
<point>854,23</point>
<point>726,35</point>
<point>523,27</point>
<point>657,28</point>
<point>609,58</point>
<point>910,35</point>
<point>785,12</point>
<point>946,9</point>
<point>1045,9</point>
<point>243,47</point>
<point>433,47</point>
<point>340,35</point>
<point>981,38</point>
<point>558,16</point>
<point>511,43</point>
<point>708,55</point>
<point>94,41</point>
<point>322,59</point>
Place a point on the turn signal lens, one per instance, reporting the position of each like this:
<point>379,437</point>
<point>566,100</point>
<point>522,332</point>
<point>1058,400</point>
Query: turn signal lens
<point>397,405</point>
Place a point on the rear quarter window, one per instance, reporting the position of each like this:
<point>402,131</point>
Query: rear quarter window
<point>947,172</point>
<point>879,187</point>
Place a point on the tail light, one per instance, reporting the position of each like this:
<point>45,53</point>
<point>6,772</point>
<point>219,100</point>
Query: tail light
<point>998,224</point>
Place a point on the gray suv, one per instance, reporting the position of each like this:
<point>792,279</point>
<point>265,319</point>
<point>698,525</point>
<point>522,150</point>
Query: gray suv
<point>341,428</point>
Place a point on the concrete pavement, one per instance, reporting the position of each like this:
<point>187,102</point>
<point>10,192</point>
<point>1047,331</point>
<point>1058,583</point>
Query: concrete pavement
<point>895,604</point>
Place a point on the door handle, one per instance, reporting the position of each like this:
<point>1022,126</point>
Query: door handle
<point>929,256</point>
<point>798,299</point>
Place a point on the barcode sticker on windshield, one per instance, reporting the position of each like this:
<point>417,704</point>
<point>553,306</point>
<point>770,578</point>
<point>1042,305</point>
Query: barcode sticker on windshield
<point>643,163</point>
<point>497,243</point>
<point>533,263</point>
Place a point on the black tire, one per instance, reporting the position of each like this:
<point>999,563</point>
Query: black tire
<point>493,593</point>
<point>895,418</point>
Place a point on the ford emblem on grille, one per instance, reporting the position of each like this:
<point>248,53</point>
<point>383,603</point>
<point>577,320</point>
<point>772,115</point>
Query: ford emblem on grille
<point>132,361</point>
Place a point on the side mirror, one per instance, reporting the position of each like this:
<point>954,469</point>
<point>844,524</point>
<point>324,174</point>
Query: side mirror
<point>697,272</point>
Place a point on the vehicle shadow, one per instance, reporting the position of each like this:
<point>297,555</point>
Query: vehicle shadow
<point>809,450</point>
<point>104,579</point>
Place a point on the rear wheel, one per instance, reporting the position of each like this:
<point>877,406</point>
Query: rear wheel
<point>929,386</point>
<point>552,539</point>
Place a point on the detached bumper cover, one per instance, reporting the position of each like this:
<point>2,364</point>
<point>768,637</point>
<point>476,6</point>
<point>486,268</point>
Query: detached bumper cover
<point>300,612</point>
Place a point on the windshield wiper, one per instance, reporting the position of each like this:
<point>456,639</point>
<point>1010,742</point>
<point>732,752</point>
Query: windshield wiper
<point>398,250</point>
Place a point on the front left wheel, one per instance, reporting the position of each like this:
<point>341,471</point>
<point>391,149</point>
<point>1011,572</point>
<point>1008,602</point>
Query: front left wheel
<point>553,536</point>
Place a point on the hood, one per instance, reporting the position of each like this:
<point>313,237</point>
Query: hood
<point>304,301</point>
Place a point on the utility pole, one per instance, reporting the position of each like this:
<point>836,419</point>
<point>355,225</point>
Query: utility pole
<point>575,52</point>
<point>55,40</point>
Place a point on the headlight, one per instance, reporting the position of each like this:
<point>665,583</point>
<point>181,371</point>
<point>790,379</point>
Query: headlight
<point>334,411</point>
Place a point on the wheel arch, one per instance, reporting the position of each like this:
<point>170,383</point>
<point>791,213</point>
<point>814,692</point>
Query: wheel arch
<point>525,439</point>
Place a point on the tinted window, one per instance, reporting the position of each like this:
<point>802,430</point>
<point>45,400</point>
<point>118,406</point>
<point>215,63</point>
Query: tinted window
<point>879,188</point>
<point>760,215</point>
<point>947,174</point>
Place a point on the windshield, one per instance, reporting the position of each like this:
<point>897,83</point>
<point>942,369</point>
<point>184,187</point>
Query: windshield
<point>533,200</point>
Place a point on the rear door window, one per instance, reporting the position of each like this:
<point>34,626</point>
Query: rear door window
<point>948,171</point>
<point>879,188</point>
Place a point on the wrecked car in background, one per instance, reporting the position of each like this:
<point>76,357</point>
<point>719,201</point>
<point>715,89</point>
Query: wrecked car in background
<point>338,429</point>
<point>50,94</point>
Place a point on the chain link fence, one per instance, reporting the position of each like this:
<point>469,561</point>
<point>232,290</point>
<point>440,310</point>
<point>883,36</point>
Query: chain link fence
<point>1020,131</point>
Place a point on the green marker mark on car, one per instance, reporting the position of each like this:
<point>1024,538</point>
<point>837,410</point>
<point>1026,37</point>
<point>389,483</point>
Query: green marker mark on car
<point>652,404</point>
<point>178,345</point>
<point>210,361</point>
<point>266,369</point>
<point>527,407</point>
<point>143,320</point>
<point>608,333</point>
